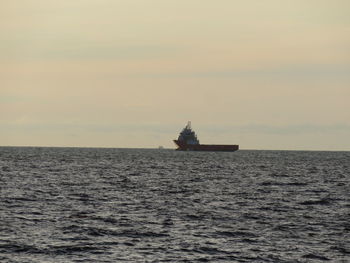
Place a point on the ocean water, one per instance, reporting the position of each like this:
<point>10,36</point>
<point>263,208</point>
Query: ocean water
<point>138,205</point>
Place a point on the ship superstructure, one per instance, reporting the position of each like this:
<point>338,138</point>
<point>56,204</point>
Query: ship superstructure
<point>188,141</point>
<point>188,136</point>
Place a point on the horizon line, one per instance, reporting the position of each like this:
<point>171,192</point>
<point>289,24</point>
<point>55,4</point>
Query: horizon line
<point>157,148</point>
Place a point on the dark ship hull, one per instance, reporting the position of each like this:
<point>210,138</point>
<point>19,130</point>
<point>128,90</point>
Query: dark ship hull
<point>183,146</point>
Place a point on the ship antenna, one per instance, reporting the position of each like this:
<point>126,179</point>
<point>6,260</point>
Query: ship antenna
<point>189,124</point>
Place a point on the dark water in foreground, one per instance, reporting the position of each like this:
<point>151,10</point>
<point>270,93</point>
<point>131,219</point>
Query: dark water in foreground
<point>129,205</point>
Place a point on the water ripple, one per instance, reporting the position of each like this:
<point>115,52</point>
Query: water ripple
<point>124,205</point>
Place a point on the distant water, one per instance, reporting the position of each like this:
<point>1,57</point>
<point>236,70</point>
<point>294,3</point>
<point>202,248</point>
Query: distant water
<point>129,205</point>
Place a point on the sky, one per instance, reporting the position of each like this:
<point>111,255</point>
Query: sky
<point>266,74</point>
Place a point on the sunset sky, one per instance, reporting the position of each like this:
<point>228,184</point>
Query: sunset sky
<point>272,74</point>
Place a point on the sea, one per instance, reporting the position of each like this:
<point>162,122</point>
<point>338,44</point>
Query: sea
<point>160,205</point>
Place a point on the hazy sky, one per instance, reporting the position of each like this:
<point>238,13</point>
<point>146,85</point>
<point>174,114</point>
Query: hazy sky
<point>272,74</point>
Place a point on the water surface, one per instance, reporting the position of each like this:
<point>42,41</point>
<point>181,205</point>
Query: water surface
<point>135,205</point>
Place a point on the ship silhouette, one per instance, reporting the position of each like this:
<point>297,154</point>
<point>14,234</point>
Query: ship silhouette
<point>188,141</point>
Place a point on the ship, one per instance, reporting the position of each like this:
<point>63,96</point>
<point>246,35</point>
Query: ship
<point>188,141</point>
